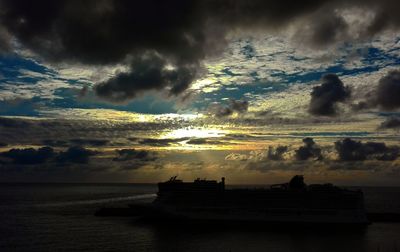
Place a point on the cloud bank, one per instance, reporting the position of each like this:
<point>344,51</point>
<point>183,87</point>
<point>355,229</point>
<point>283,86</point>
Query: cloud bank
<point>351,150</point>
<point>31,156</point>
<point>163,43</point>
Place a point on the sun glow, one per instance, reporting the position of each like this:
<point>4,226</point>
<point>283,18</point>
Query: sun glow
<point>195,133</point>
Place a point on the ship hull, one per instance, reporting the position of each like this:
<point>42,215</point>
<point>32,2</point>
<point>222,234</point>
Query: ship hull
<point>304,216</point>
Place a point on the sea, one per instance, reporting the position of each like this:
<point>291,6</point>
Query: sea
<point>60,217</point>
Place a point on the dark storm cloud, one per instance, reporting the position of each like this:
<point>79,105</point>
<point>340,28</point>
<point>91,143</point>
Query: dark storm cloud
<point>165,42</point>
<point>325,28</point>
<point>238,106</point>
<point>75,154</point>
<point>29,155</point>
<point>162,42</point>
<point>132,154</point>
<point>277,153</point>
<point>309,150</point>
<point>385,96</point>
<point>328,28</point>
<point>324,97</point>
<point>388,91</point>
<point>351,150</point>
<point>390,123</point>
<point>149,72</point>
<point>386,16</point>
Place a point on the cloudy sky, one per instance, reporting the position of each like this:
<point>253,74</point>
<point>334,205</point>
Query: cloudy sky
<point>256,91</point>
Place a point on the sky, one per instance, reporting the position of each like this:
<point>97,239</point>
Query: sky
<point>254,91</point>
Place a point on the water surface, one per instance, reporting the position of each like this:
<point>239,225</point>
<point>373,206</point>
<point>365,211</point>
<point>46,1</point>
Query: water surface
<point>49,217</point>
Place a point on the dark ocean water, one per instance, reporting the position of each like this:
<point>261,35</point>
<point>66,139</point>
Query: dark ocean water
<point>59,217</point>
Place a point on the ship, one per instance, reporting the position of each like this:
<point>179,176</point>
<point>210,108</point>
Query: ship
<point>292,202</point>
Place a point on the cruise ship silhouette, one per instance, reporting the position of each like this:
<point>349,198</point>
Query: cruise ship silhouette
<point>293,202</point>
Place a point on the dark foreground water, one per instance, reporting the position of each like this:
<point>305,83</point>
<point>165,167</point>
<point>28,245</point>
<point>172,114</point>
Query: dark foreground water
<point>59,217</point>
